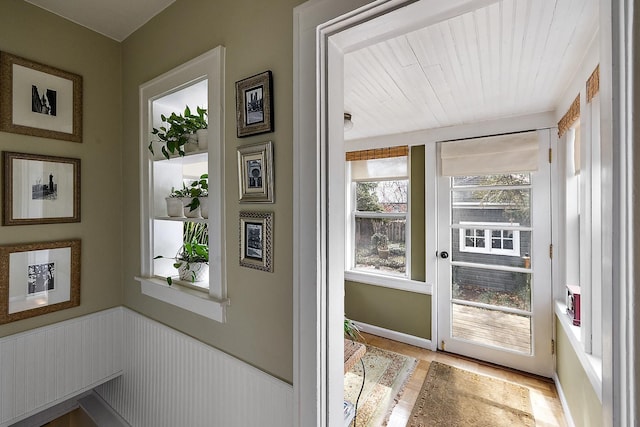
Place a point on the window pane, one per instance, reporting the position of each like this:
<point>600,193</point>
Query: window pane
<point>514,252</point>
<point>491,206</point>
<point>493,287</point>
<point>382,196</point>
<point>492,180</point>
<point>380,245</point>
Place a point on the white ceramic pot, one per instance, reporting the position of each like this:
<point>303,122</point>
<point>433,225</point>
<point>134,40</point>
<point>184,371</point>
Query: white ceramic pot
<point>192,145</point>
<point>204,207</point>
<point>187,210</point>
<point>175,208</point>
<point>193,271</point>
<point>203,139</point>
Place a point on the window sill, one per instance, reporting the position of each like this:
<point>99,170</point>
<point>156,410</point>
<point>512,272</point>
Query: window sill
<point>195,300</point>
<point>592,365</point>
<point>389,282</point>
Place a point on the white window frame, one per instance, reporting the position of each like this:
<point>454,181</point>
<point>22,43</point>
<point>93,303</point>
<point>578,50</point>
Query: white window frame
<point>487,228</point>
<point>396,281</point>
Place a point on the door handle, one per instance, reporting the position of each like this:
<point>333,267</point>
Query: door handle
<point>444,254</point>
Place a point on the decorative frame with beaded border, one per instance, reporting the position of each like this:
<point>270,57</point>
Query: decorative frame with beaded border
<point>256,240</point>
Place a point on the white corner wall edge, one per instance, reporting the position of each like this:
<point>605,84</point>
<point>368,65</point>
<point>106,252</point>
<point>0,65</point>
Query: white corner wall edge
<point>171,379</point>
<point>43,367</point>
<point>563,401</point>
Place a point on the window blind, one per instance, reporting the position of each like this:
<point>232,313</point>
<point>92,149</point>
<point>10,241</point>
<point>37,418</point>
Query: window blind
<point>516,152</point>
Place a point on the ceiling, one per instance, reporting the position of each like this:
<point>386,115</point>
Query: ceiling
<point>509,58</point>
<point>505,58</point>
<point>116,19</point>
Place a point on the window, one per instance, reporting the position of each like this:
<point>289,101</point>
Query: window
<point>182,259</point>
<point>485,238</point>
<point>585,241</point>
<point>379,216</point>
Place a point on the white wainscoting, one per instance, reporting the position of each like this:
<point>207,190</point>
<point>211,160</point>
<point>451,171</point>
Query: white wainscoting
<point>173,380</point>
<point>45,366</point>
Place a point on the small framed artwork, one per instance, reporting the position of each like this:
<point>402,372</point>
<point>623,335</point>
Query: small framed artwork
<point>40,189</point>
<point>38,278</point>
<point>256,240</point>
<point>254,105</point>
<point>39,100</point>
<point>255,173</point>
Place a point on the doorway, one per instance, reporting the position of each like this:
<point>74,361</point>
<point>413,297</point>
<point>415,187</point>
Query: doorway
<point>494,267</point>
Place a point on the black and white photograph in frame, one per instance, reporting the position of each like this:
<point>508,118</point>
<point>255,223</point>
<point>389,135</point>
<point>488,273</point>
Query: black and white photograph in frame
<point>41,277</point>
<point>255,173</point>
<point>254,105</point>
<point>38,278</point>
<point>43,101</point>
<point>39,100</point>
<point>256,240</point>
<point>40,189</point>
<point>254,108</point>
<point>253,236</point>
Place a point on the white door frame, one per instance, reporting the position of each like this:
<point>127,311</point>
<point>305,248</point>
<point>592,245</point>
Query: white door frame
<point>311,382</point>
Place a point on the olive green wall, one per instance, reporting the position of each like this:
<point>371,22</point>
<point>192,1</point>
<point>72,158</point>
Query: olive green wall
<point>34,34</point>
<point>417,203</point>
<point>584,405</point>
<point>258,36</point>
<point>401,311</point>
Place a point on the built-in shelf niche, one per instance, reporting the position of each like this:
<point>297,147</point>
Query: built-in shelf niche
<point>198,83</point>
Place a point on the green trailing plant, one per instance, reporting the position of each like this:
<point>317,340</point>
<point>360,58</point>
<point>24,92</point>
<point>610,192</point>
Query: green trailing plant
<point>175,130</point>
<point>351,330</point>
<point>198,188</point>
<point>194,249</point>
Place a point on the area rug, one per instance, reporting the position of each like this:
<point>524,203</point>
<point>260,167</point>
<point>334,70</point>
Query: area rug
<point>386,373</point>
<point>455,397</point>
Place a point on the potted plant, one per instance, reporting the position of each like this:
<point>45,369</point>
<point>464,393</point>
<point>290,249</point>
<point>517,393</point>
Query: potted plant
<point>175,207</point>
<point>192,259</point>
<point>177,131</point>
<point>380,242</point>
<point>197,190</point>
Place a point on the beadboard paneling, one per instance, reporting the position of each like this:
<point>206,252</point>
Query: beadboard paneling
<point>173,380</point>
<point>48,365</point>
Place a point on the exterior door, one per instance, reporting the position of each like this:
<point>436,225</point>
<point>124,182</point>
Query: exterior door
<point>494,268</point>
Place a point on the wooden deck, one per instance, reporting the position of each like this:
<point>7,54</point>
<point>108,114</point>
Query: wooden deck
<point>504,330</point>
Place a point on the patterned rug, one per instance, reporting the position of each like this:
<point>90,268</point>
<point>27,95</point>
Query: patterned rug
<point>385,376</point>
<point>454,397</point>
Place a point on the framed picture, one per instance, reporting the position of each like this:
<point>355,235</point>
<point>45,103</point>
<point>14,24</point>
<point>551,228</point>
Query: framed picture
<point>38,278</point>
<point>254,105</point>
<point>256,241</point>
<point>39,100</point>
<point>40,189</point>
<point>255,173</point>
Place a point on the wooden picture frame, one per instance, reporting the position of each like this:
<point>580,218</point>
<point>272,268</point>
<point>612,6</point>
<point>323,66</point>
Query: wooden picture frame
<point>255,173</point>
<point>40,189</point>
<point>39,100</point>
<point>254,105</point>
<point>256,240</point>
<point>38,278</point>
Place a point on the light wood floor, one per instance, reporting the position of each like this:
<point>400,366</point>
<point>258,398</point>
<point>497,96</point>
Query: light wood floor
<point>547,409</point>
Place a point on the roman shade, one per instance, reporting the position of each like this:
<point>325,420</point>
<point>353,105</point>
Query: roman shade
<point>517,152</point>
<point>379,163</point>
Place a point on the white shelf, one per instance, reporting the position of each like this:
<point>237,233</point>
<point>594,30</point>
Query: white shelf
<point>180,219</point>
<point>194,300</point>
<point>188,158</point>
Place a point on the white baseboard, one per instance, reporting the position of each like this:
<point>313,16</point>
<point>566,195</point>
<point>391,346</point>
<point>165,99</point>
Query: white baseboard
<point>394,335</point>
<point>563,401</point>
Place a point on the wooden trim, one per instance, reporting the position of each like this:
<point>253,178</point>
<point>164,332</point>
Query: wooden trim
<point>378,153</point>
<point>593,84</point>
<point>570,117</point>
